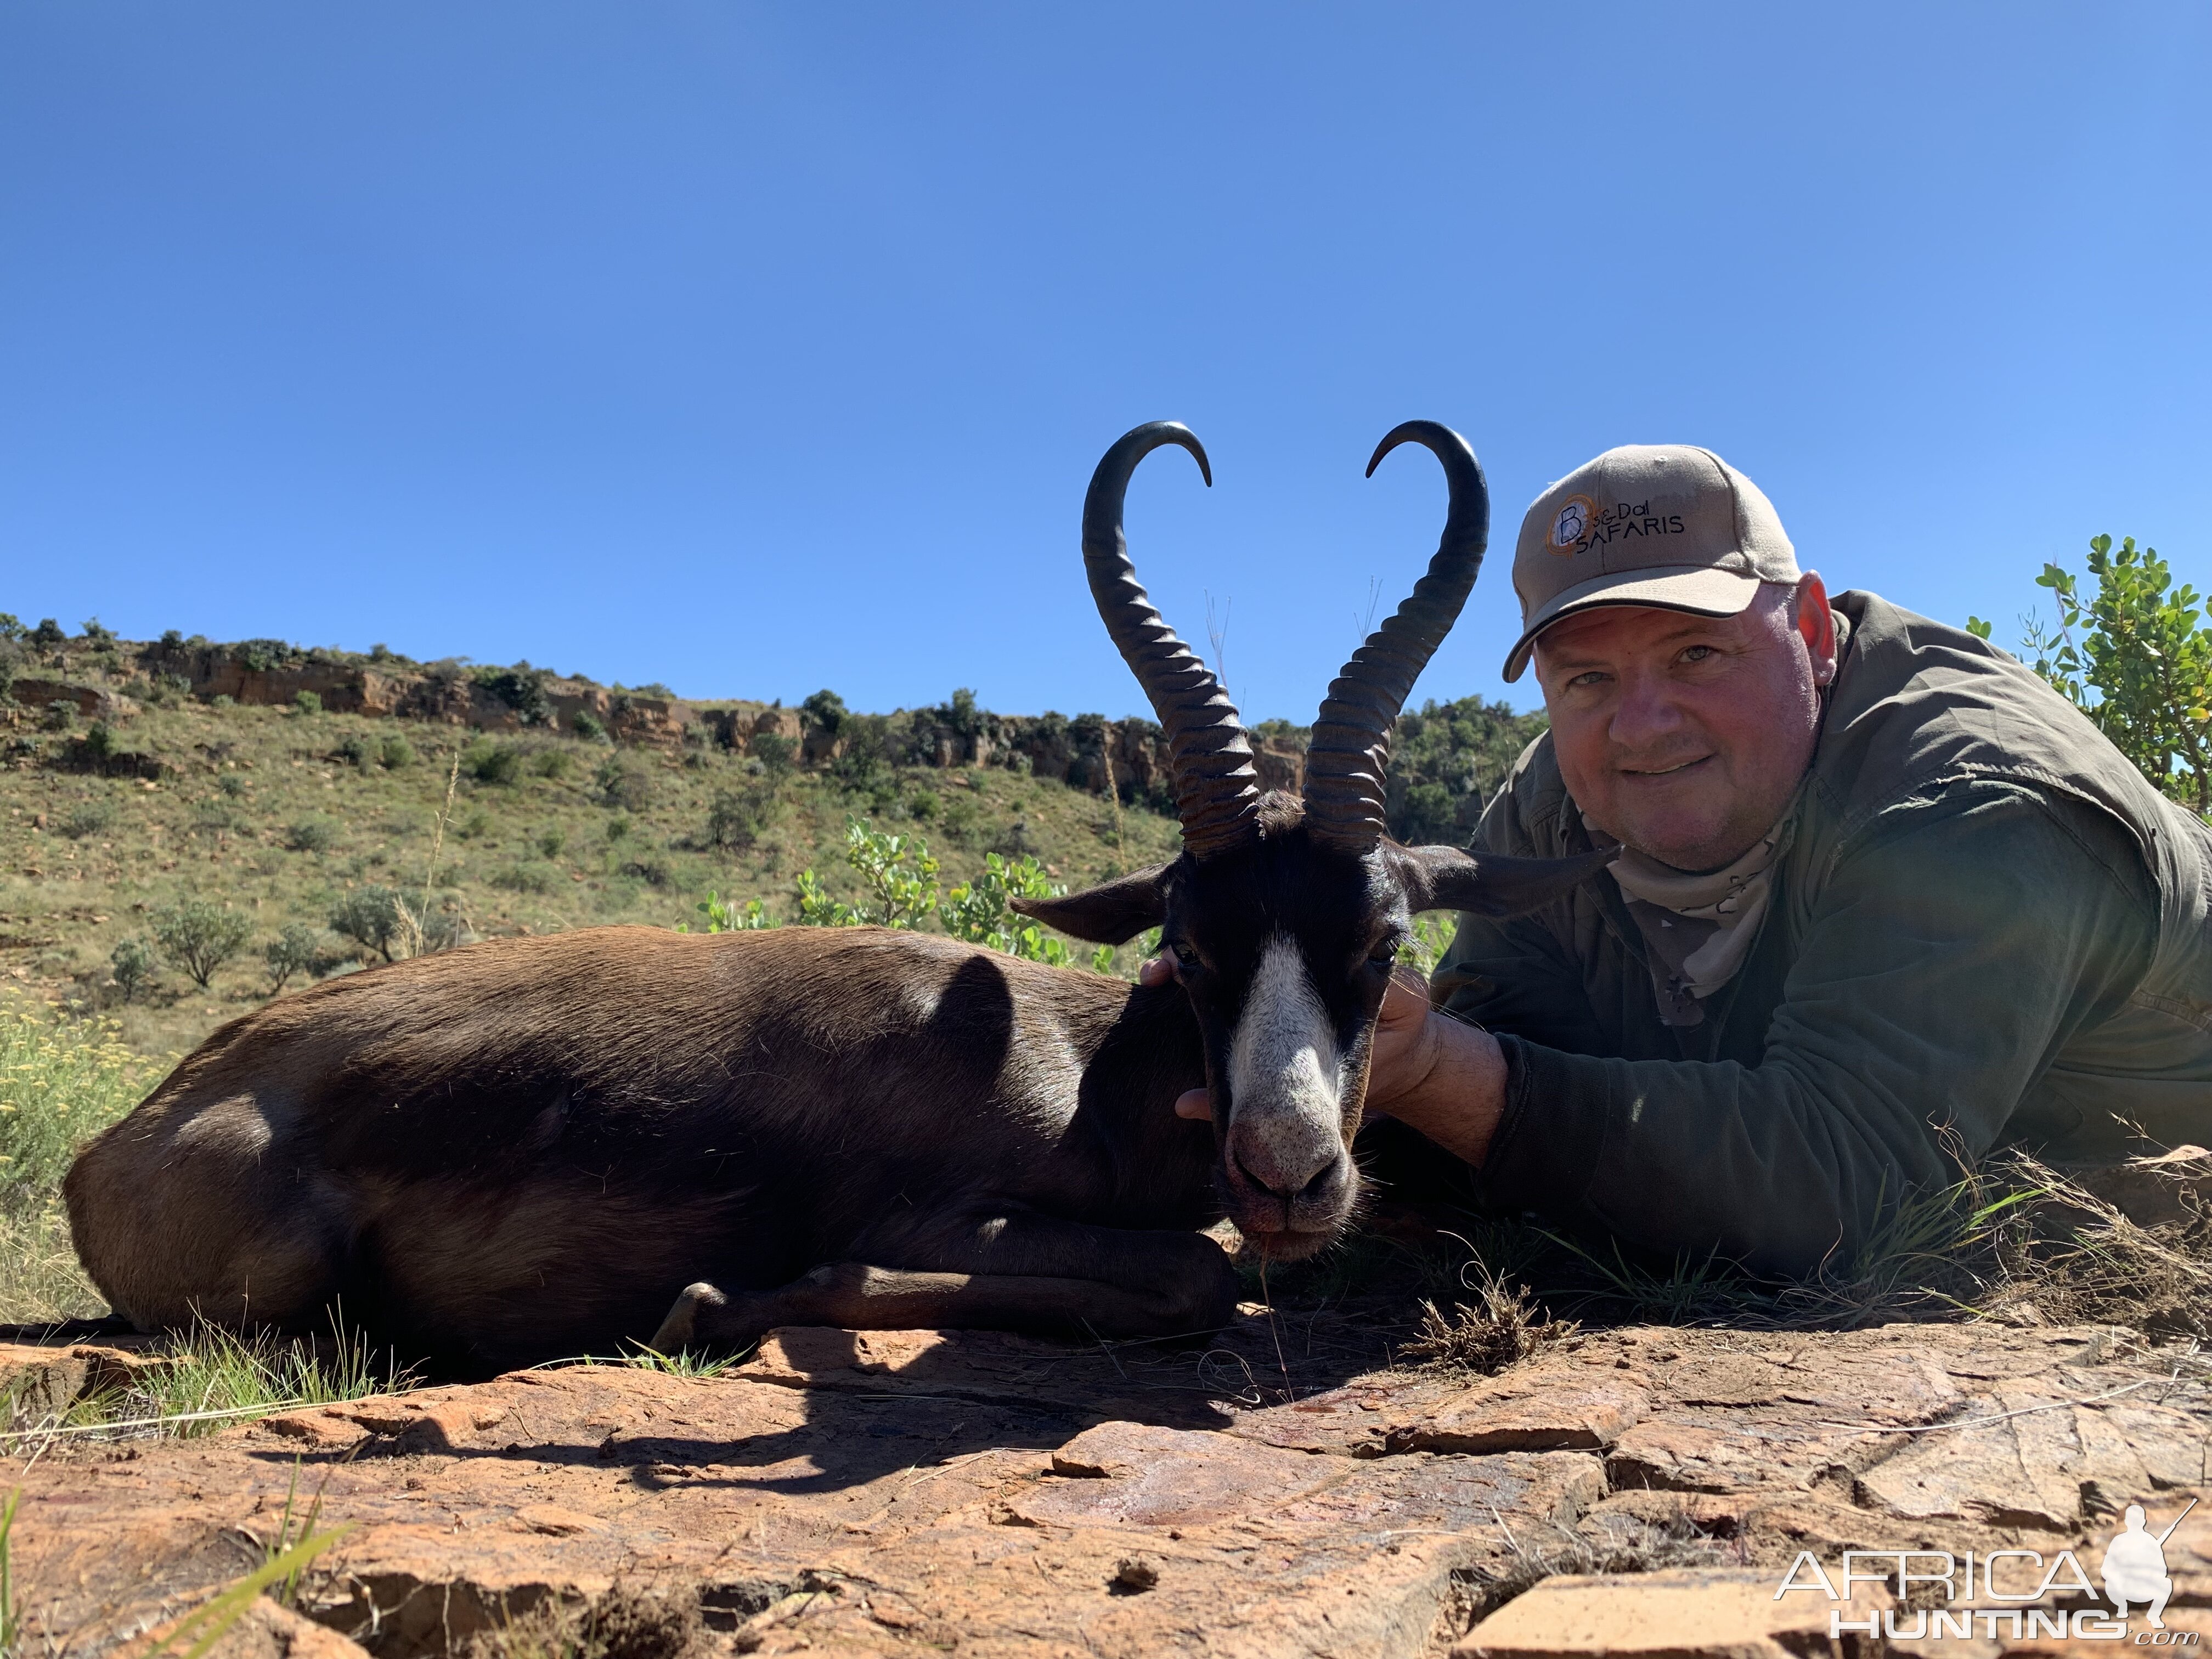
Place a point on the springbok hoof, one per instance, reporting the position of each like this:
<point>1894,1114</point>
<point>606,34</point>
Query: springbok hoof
<point>680,1329</point>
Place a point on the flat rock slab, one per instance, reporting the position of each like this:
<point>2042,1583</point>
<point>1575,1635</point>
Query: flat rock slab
<point>1692,1614</point>
<point>901,1492</point>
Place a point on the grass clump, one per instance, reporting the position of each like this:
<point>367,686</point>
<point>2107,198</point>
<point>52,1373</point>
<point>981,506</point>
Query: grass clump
<point>311,835</point>
<point>87,818</point>
<point>61,1082</point>
<point>1500,1327</point>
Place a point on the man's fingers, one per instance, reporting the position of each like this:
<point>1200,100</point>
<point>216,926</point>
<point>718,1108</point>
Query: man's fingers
<point>1156,971</point>
<point>1408,998</point>
<point>1195,1103</point>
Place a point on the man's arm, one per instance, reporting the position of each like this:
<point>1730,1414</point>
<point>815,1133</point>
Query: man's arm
<point>1955,950</point>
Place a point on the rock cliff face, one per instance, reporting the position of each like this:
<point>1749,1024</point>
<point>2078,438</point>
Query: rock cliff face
<point>917,1492</point>
<point>1085,752</point>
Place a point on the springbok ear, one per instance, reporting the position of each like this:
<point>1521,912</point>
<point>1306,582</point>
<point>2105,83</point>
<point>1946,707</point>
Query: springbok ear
<point>1492,885</point>
<point>1111,913</point>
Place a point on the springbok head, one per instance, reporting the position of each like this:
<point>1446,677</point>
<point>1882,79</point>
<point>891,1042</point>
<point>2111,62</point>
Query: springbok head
<point>1283,915</point>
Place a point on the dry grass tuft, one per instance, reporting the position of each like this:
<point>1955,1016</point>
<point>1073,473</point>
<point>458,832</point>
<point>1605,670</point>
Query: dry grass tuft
<point>1501,1327</point>
<point>625,1623</point>
<point>2073,1256</point>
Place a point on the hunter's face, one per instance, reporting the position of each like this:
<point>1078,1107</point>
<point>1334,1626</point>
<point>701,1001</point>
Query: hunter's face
<point>1685,737</point>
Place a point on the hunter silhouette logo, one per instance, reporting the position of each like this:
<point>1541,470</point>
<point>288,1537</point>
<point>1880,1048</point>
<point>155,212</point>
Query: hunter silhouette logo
<point>1956,1594</point>
<point>2134,1566</point>
<point>1572,523</point>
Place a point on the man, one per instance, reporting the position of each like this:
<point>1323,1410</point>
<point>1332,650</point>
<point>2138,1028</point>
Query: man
<point>1883,901</point>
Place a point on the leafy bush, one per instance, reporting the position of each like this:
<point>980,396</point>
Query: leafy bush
<point>492,763</point>
<point>295,950</point>
<point>199,937</point>
<point>588,726</point>
<point>521,688</point>
<point>61,714</point>
<point>101,742</point>
<point>551,842</point>
<point>395,754</point>
<point>231,785</point>
<point>902,878</point>
<point>87,818</point>
<point>2136,659</point>
<point>476,824</point>
<point>356,752</point>
<point>131,962</point>
<point>980,912</point>
<point>311,835</point>
<point>825,712</point>
<point>618,827</point>
<point>738,817</point>
<point>1445,760</point>
<point>48,633</point>
<point>372,917</point>
<point>729,919</point>
<point>306,702</point>
<point>550,763</point>
<point>621,784</point>
<point>527,878</point>
<point>778,756</point>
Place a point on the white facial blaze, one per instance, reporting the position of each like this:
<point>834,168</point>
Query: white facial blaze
<point>1285,1077</point>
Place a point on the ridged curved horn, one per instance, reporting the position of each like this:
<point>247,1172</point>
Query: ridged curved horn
<point>1349,758</point>
<point>1217,789</point>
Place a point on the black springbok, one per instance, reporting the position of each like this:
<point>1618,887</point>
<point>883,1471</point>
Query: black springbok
<point>533,1147</point>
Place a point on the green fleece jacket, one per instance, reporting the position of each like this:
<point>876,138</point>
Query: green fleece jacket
<point>1986,929</point>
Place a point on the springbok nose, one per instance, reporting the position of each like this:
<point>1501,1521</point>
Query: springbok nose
<point>1289,1159</point>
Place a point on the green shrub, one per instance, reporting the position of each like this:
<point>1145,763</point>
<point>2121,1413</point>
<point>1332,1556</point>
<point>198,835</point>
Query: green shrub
<point>652,871</point>
<point>551,842</point>
<point>981,913</point>
<point>2136,659</point>
<point>778,756</point>
<point>492,763</point>
<point>222,700</point>
<point>588,726</point>
<point>295,951</point>
<point>356,752</point>
<point>48,633</point>
<point>199,937</point>
<point>87,818</point>
<point>729,919</point>
<point>551,763</point>
<point>306,702</point>
<point>396,753</point>
<point>101,742</point>
<point>372,917</point>
<point>622,785</point>
<point>529,878</point>
<point>521,688</point>
<point>476,824</point>
<point>231,784</point>
<point>61,714</point>
<point>618,827</point>
<point>311,835</point>
<point>737,817</point>
<point>132,964</point>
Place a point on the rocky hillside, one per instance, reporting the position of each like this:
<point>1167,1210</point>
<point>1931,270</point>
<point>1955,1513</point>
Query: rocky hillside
<point>298,789</point>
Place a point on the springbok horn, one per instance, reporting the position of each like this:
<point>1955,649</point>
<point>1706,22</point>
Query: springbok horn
<point>1349,757</point>
<point>1217,789</point>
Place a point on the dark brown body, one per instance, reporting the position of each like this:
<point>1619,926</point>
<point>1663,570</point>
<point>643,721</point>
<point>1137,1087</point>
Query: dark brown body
<point>529,1148</point>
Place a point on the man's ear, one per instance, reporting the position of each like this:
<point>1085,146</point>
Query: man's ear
<point>1490,884</point>
<point>1111,913</point>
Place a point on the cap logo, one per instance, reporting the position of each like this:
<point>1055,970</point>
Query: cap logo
<point>1571,524</point>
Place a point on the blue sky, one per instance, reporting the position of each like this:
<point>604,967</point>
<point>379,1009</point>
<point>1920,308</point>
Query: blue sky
<point>756,349</point>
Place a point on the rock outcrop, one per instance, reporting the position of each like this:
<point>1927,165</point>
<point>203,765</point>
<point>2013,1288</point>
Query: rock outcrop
<point>912,1493</point>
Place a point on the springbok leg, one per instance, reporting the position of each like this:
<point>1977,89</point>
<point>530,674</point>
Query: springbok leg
<point>1020,1271</point>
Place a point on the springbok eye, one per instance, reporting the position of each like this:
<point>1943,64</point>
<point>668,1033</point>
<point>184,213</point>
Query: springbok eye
<point>1185,955</point>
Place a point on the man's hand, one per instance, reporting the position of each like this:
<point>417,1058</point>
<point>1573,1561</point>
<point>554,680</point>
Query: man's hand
<point>1441,1077</point>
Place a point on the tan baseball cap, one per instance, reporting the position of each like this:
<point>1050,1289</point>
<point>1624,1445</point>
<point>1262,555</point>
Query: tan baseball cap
<point>1668,526</point>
